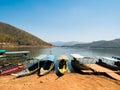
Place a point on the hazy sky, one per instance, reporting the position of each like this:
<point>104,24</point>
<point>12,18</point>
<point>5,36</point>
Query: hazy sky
<point>64,20</point>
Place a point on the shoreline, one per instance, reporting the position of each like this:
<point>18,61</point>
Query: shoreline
<point>69,81</point>
<point>23,46</point>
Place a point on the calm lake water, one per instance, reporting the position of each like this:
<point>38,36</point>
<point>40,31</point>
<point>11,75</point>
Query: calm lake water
<point>34,52</point>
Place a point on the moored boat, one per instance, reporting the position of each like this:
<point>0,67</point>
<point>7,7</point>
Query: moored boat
<point>76,63</point>
<point>62,65</point>
<point>32,68</point>
<point>10,69</point>
<point>2,53</point>
<point>47,66</point>
<point>110,63</point>
<point>117,63</point>
<point>116,57</point>
<point>16,55</point>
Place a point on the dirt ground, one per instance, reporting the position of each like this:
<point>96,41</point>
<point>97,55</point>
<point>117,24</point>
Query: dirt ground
<point>69,81</point>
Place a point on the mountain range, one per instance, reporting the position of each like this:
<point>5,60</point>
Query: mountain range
<point>13,36</point>
<point>60,43</point>
<point>101,44</point>
<point>95,44</point>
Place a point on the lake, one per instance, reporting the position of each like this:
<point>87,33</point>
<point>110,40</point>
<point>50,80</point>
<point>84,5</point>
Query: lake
<point>34,52</point>
<point>68,50</point>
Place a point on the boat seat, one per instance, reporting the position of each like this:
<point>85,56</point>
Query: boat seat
<point>62,63</point>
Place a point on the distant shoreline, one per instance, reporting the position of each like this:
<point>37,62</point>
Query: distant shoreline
<point>23,46</point>
<point>91,47</point>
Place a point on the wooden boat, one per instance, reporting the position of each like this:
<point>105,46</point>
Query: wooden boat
<point>117,63</point>
<point>5,70</point>
<point>77,65</point>
<point>8,69</point>
<point>109,63</point>
<point>31,70</point>
<point>47,66</point>
<point>62,65</point>
<point>116,57</point>
<point>32,67</point>
<point>17,55</point>
<point>17,52</point>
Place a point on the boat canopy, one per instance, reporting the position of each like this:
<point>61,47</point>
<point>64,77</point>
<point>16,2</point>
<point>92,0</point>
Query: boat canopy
<point>111,59</point>
<point>49,57</point>
<point>89,58</point>
<point>65,57</point>
<point>116,57</point>
<point>17,52</point>
<point>77,56</point>
<point>42,56</point>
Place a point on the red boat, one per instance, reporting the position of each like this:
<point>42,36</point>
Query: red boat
<point>10,69</point>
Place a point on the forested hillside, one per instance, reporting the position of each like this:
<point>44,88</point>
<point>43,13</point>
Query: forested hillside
<point>12,36</point>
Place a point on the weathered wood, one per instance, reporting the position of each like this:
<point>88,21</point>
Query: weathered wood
<point>98,68</point>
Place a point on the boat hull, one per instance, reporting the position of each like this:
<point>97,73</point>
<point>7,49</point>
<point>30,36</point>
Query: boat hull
<point>31,70</point>
<point>46,68</point>
<point>11,69</point>
<point>62,67</point>
<point>78,66</point>
<point>115,68</point>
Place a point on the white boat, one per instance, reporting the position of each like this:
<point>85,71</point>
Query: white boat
<point>108,62</point>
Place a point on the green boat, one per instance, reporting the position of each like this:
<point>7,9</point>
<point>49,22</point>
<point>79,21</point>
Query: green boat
<point>2,52</point>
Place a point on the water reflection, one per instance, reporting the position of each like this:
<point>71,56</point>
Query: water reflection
<point>34,52</point>
<point>67,50</point>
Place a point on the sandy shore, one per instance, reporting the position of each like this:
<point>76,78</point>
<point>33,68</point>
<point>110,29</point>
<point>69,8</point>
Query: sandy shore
<point>70,81</point>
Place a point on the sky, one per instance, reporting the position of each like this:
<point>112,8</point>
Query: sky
<point>64,20</point>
